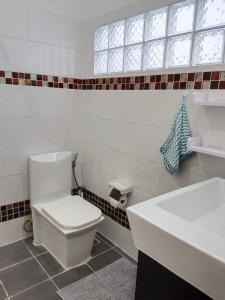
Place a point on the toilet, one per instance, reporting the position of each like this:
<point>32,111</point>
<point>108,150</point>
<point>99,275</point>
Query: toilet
<point>65,225</point>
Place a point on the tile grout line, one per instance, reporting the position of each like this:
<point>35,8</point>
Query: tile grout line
<point>27,289</point>
<point>7,295</point>
<point>102,252</point>
<point>41,253</point>
<point>114,248</point>
<point>49,277</point>
<point>109,243</point>
<point>90,267</point>
<point>20,262</point>
<point>129,260</point>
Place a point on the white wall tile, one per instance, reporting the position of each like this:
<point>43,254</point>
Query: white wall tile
<point>140,108</point>
<point>119,236</point>
<point>13,189</point>
<point>168,105</point>
<point>118,164</point>
<point>13,20</point>
<point>30,101</point>
<point>96,181</point>
<point>164,182</point>
<point>110,134</point>
<point>92,153</point>
<point>15,101</point>
<point>53,29</point>
<point>137,196</point>
<point>105,105</point>
<point>36,58</point>
<point>145,141</point>
<point>12,231</point>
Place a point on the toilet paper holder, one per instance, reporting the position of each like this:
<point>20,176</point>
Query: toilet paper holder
<point>118,194</point>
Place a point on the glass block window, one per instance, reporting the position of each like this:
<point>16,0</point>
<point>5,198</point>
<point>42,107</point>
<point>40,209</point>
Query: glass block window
<point>101,60</point>
<point>154,54</point>
<point>133,56</point>
<point>178,51</point>
<point>134,30</point>
<point>210,13</point>
<point>116,34</point>
<point>183,34</point>
<point>115,60</point>
<point>181,17</point>
<point>208,47</point>
<point>101,38</point>
<point>155,24</point>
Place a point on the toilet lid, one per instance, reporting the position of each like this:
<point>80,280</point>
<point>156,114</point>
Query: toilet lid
<point>71,212</point>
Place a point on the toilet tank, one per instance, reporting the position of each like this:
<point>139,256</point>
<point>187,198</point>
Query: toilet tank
<point>50,176</point>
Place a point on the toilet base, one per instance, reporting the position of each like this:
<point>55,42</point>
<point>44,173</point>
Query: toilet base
<point>70,248</point>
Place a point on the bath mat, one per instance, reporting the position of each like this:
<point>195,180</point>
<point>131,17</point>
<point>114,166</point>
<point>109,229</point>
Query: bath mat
<point>114,282</point>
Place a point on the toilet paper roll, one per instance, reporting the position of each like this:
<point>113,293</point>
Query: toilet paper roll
<point>113,202</point>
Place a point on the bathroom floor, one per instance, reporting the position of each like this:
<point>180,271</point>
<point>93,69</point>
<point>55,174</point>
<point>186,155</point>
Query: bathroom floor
<point>31,273</point>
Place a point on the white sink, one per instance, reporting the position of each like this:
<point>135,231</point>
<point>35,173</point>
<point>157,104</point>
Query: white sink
<point>184,231</point>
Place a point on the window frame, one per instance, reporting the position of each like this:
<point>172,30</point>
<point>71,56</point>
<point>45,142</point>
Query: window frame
<point>167,36</point>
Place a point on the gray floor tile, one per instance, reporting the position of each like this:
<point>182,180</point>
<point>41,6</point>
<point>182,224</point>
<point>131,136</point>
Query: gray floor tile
<point>104,259</point>
<point>126,255</point>
<point>99,235</point>
<point>12,254</point>
<point>71,276</point>
<point>99,247</point>
<point>49,263</point>
<point>34,249</point>
<point>22,276</point>
<point>43,291</point>
<point>2,293</point>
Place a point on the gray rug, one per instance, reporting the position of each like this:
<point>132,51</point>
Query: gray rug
<point>114,282</point>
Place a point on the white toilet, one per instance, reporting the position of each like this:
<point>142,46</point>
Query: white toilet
<point>64,224</point>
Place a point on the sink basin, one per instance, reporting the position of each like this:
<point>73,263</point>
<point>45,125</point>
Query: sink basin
<point>184,231</point>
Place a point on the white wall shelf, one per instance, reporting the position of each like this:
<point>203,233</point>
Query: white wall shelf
<point>194,144</point>
<point>208,99</point>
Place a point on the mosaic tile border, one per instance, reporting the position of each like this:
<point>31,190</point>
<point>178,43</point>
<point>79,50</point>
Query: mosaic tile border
<point>20,209</point>
<point>14,211</point>
<point>39,80</point>
<point>179,81</point>
<point>116,214</point>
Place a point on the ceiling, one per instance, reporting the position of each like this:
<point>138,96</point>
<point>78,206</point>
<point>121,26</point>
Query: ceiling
<point>77,9</point>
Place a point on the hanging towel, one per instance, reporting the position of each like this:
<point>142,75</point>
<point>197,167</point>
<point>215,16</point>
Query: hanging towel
<point>175,150</point>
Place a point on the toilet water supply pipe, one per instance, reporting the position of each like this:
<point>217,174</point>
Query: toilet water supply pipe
<point>27,226</point>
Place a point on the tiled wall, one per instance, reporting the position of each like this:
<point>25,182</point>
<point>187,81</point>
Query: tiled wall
<point>36,41</point>
<point>33,120</point>
<point>117,133</point>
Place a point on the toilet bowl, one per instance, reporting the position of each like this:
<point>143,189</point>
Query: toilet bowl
<point>65,225</point>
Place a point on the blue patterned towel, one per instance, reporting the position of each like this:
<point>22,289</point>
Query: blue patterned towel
<point>175,150</point>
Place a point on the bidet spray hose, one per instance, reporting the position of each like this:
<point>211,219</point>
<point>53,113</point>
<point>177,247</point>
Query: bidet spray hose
<point>73,169</point>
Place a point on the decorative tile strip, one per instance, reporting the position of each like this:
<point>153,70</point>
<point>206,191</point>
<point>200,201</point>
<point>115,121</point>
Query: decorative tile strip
<point>179,81</point>
<point>116,214</point>
<point>38,80</point>
<point>15,210</point>
<point>20,209</point>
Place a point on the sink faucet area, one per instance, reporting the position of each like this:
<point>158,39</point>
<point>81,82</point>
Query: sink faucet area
<point>184,231</point>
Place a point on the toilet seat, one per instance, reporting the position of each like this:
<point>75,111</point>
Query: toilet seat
<point>71,212</point>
